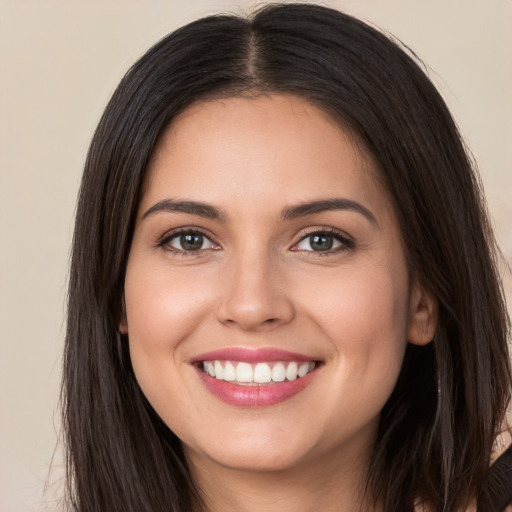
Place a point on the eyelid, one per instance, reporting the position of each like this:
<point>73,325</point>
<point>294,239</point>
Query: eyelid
<point>344,238</point>
<point>164,240</point>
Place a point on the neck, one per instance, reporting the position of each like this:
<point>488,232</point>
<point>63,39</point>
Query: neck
<point>326,483</point>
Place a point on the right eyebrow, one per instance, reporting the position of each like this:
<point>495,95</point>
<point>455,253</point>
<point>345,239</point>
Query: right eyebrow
<point>193,207</point>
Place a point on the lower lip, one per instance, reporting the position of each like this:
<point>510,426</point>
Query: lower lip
<point>255,395</point>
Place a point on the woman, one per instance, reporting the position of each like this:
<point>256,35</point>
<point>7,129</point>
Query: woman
<point>283,291</point>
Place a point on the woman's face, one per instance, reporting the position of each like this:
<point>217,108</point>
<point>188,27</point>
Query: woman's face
<point>267,300</point>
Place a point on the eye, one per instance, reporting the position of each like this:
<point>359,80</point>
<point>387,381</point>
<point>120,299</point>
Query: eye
<point>322,241</point>
<point>188,241</point>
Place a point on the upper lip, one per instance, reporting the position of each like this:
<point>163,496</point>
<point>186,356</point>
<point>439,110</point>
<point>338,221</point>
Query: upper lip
<point>251,355</point>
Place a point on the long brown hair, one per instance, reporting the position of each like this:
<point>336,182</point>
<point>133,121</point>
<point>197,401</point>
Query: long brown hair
<point>437,428</point>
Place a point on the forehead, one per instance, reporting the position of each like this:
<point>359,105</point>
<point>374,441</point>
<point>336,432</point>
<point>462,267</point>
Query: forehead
<point>272,149</point>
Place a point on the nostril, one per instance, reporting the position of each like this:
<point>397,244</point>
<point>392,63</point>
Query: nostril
<point>254,323</point>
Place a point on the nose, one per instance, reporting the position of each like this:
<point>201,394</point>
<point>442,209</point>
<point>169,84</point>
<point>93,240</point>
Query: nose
<point>255,296</point>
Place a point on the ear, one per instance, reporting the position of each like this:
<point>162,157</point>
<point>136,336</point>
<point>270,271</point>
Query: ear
<point>423,315</point>
<point>123,321</point>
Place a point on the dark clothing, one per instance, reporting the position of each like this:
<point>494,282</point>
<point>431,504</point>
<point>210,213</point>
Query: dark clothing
<point>498,487</point>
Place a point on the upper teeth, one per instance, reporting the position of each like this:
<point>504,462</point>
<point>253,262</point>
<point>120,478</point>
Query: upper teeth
<point>258,373</point>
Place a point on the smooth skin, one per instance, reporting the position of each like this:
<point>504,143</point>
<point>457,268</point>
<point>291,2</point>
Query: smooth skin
<point>254,277</point>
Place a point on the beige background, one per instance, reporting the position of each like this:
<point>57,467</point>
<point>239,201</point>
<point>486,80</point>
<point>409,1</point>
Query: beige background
<point>59,63</point>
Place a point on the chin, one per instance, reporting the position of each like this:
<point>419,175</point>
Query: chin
<point>253,460</point>
<point>254,453</point>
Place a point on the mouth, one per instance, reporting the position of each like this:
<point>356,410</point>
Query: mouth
<point>247,374</point>
<point>255,378</point>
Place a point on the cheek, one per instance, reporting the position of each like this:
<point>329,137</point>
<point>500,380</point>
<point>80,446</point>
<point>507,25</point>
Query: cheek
<point>364,316</point>
<point>357,307</point>
<point>161,307</point>
<point>162,310</point>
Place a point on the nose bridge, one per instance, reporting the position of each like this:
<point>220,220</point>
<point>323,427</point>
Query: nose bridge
<point>255,297</point>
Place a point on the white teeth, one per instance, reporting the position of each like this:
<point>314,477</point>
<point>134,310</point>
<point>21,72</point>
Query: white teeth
<point>244,372</point>
<point>278,372</point>
<point>229,372</point>
<point>304,369</point>
<point>261,373</point>
<point>291,371</point>
<point>219,371</point>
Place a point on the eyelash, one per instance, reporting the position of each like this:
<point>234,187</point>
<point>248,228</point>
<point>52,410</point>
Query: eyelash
<point>345,242</point>
<point>165,241</point>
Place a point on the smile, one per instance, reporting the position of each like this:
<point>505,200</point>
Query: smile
<point>255,377</point>
<point>243,373</point>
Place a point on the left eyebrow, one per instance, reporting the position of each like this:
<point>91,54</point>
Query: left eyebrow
<point>325,205</point>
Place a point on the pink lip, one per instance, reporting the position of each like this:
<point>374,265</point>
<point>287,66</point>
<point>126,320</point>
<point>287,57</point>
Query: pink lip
<point>250,355</point>
<point>253,395</point>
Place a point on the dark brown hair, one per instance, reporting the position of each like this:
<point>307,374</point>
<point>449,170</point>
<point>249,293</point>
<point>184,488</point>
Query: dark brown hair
<point>437,428</point>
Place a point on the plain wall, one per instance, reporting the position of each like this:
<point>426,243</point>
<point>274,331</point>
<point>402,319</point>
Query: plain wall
<point>59,63</point>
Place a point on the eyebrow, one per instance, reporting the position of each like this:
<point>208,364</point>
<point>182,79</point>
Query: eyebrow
<point>193,207</point>
<point>313,207</point>
<point>302,210</point>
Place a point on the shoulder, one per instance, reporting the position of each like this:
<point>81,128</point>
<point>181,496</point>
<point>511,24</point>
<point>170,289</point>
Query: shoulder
<point>497,493</point>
